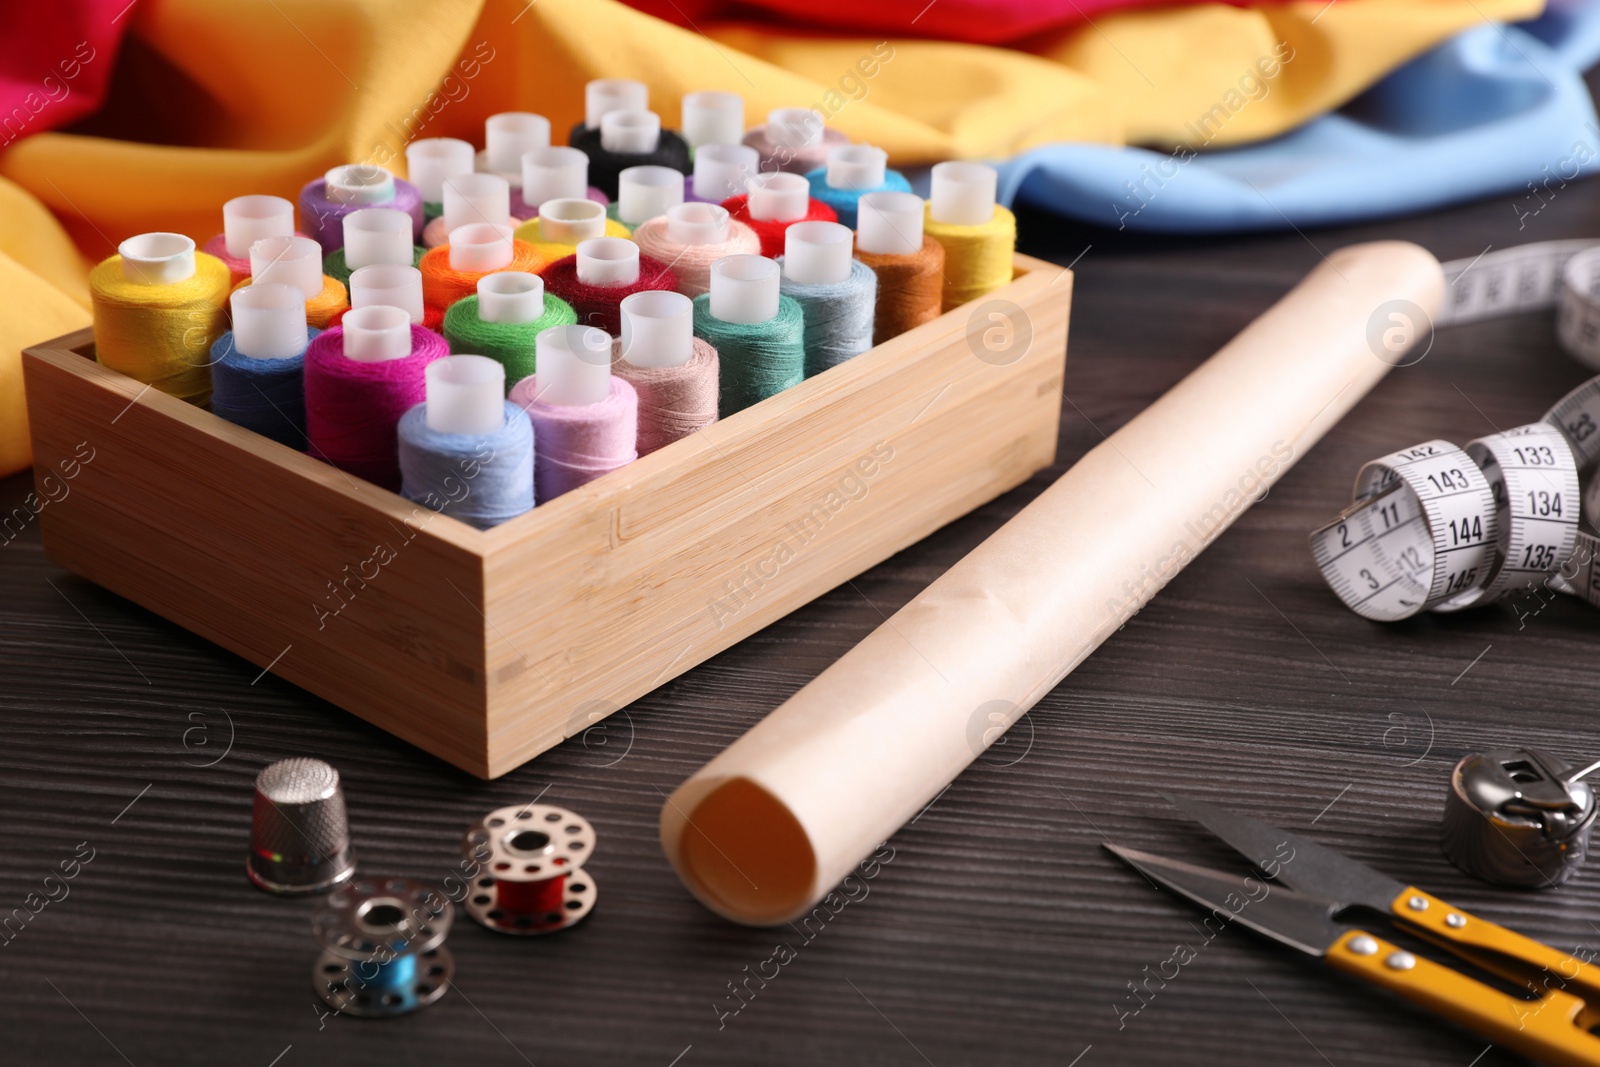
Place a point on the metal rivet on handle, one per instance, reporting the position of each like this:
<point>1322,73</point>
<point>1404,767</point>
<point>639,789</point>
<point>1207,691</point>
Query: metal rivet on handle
<point>1363,945</point>
<point>1417,903</point>
<point>1454,921</point>
<point>1400,961</point>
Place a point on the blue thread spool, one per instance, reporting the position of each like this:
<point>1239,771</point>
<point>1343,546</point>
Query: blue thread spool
<point>257,368</point>
<point>383,948</point>
<point>837,293</point>
<point>852,172</point>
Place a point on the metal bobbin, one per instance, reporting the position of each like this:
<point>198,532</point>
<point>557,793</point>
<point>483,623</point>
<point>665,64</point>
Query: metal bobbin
<point>532,879</point>
<point>383,947</point>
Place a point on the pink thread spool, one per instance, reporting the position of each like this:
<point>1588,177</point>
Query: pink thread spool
<point>585,419</point>
<point>674,372</point>
<point>691,237</point>
<point>795,139</point>
<point>246,220</point>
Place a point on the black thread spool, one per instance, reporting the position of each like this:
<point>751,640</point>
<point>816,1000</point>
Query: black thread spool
<point>383,948</point>
<point>532,881</point>
<point>606,166</point>
<point>1518,817</point>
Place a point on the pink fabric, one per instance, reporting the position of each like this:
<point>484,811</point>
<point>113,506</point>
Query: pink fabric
<point>573,446</point>
<point>55,61</point>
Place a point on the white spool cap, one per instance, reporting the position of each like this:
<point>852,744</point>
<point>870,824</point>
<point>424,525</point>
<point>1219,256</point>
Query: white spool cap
<point>721,170</point>
<point>269,321</point>
<point>475,198</point>
<point>373,334</point>
<point>795,127</point>
<point>510,135</point>
<point>657,329</point>
<point>247,219</point>
<point>889,224</point>
<point>377,235</point>
<point>480,247</point>
<point>697,224</point>
<point>963,193</point>
<point>295,261</point>
<point>608,261</point>
<point>510,296</point>
<point>713,118</point>
<point>554,173</point>
<point>630,132</point>
<point>817,253</point>
<point>161,259</point>
<point>645,192</point>
<point>433,159</point>
<point>571,220</point>
<point>574,365</point>
<point>857,166</point>
<point>744,289</point>
<point>612,94</point>
<point>778,196</point>
<point>359,183</point>
<point>465,394</point>
<point>388,284</point>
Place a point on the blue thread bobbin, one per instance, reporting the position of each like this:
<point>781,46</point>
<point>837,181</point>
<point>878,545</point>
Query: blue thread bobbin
<point>533,881</point>
<point>383,948</point>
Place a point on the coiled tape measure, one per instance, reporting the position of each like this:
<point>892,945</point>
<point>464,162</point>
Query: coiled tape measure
<point>1435,527</point>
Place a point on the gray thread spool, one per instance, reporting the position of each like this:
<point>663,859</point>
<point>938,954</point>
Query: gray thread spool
<point>837,293</point>
<point>1518,817</point>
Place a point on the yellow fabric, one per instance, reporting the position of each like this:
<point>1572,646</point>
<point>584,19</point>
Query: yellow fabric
<point>217,98</point>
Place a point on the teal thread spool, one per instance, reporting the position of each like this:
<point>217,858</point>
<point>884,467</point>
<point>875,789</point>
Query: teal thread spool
<point>852,172</point>
<point>504,319</point>
<point>837,293</point>
<point>758,333</point>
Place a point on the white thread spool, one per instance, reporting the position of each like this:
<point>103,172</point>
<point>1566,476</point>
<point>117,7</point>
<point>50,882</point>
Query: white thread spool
<point>480,247</point>
<point>510,296</point>
<point>645,192</point>
<point>713,118</point>
<point>817,253</point>
<point>612,94</point>
<point>509,136</point>
<point>571,221</point>
<point>269,321</point>
<point>554,173</point>
<point>697,224</point>
<point>162,259</point>
<point>432,160</point>
<point>247,219</point>
<point>657,329</point>
<point>373,334</point>
<point>744,289</point>
<point>778,197</point>
<point>574,365</point>
<point>359,183</point>
<point>857,166</point>
<point>608,261</point>
<point>721,170</point>
<point>631,133</point>
<point>889,224</point>
<point>465,395</point>
<point>963,194</point>
<point>377,235</point>
<point>795,128</point>
<point>476,198</point>
<point>388,284</point>
<point>295,261</point>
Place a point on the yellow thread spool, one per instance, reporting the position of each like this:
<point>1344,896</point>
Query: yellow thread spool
<point>977,259</point>
<point>157,330</point>
<point>551,251</point>
<point>326,306</point>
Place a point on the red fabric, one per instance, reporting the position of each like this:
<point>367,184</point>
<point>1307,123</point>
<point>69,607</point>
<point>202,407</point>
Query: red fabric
<point>55,60</point>
<point>773,233</point>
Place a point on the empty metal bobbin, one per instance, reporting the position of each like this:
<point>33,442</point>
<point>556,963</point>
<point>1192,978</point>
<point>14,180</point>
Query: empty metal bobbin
<point>531,878</point>
<point>1518,817</point>
<point>383,948</point>
<point>299,832</point>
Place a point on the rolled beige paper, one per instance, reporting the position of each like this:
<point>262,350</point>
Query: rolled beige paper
<point>763,831</point>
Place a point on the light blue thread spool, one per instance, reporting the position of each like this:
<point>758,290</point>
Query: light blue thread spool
<point>852,171</point>
<point>837,293</point>
<point>481,479</point>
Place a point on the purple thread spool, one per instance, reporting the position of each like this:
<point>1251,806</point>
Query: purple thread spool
<point>326,201</point>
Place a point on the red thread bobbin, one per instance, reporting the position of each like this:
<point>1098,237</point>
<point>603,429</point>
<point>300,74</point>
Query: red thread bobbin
<point>531,879</point>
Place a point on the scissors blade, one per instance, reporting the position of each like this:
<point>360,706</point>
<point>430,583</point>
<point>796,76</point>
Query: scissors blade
<point>1294,860</point>
<point>1295,919</point>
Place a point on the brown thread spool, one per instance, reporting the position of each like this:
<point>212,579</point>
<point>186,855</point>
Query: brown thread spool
<point>910,288</point>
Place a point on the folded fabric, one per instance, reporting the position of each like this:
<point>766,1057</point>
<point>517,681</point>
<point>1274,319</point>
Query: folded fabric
<point>55,61</point>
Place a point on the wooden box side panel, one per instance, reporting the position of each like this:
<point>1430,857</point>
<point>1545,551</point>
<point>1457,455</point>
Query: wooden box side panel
<point>338,586</point>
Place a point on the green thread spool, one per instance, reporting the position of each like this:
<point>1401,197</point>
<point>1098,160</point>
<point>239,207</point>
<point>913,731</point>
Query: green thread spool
<point>513,344</point>
<point>757,360</point>
<point>334,265</point>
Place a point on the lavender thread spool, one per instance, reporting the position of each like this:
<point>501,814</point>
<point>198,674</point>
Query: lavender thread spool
<point>326,201</point>
<point>585,419</point>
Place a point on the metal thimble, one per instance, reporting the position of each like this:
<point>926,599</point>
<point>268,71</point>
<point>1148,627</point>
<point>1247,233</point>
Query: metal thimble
<point>299,835</point>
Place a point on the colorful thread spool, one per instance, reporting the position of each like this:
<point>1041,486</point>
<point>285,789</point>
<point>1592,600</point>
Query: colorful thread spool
<point>451,272</point>
<point>361,377</point>
<point>246,220</point>
<point>258,367</point>
<point>566,222</point>
<point>837,293</point>
<point>979,236</point>
<point>507,137</point>
<point>297,261</point>
<point>337,267</point>
<point>722,171</point>
<point>325,201</point>
<point>909,264</point>
<point>372,235</point>
<point>585,419</point>
<point>470,199</point>
<point>383,948</point>
<point>795,140</point>
<point>556,172</point>
<point>674,372</point>
<point>466,451</point>
<point>852,171</point>
<point>158,308</point>
<point>645,193</point>
<point>503,321</point>
<point>691,237</point>
<point>712,118</point>
<point>429,161</point>
<point>531,860</point>
<point>759,334</point>
<point>773,204</point>
<point>601,275</point>
<point>628,138</point>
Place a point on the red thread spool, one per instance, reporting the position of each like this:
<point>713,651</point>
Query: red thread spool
<point>530,876</point>
<point>771,231</point>
<point>601,305</point>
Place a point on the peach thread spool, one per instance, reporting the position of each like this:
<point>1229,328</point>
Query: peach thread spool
<point>691,237</point>
<point>585,419</point>
<point>674,372</point>
<point>909,264</point>
<point>470,199</point>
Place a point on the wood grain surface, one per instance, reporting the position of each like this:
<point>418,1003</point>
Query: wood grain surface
<point>999,932</point>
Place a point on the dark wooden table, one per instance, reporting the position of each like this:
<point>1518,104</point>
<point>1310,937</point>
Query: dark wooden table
<point>1000,931</point>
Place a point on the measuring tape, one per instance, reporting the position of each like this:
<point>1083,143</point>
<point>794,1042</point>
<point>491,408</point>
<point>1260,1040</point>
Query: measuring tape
<point>1435,527</point>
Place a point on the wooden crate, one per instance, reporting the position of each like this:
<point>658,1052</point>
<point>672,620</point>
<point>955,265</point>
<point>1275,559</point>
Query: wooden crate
<point>488,647</point>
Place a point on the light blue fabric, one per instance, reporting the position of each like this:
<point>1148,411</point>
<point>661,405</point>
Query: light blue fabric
<point>1488,112</point>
